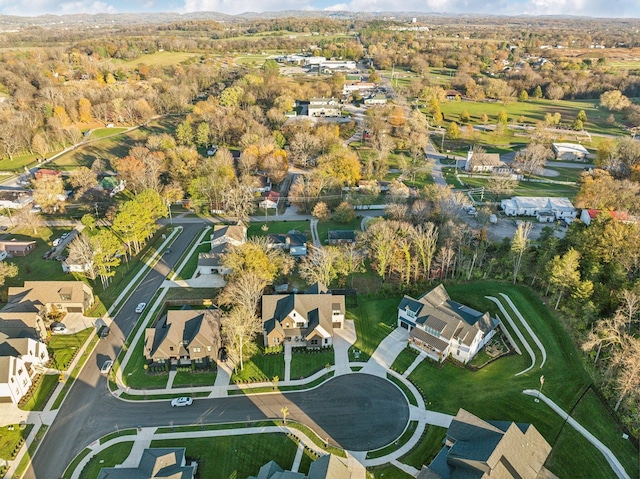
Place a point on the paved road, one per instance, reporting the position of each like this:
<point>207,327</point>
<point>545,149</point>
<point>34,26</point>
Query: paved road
<point>343,410</point>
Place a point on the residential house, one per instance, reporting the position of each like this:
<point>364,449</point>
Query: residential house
<point>21,359</point>
<point>262,184</point>
<point>70,267</point>
<point>17,248</point>
<point>377,99</point>
<point>47,173</point>
<point>570,151</point>
<point>326,467</point>
<point>27,307</point>
<point>587,215</point>
<point>337,237</point>
<point>294,242</point>
<point>270,200</point>
<point>222,238</point>
<point>155,463</point>
<point>324,107</point>
<point>442,327</point>
<point>453,95</point>
<point>306,320</point>
<point>351,87</point>
<point>545,209</point>
<point>486,162</point>
<point>186,335</point>
<point>112,185</point>
<point>487,449</point>
<point>15,199</point>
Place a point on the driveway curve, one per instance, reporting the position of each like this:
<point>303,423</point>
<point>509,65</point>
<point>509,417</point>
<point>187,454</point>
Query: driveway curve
<point>357,412</point>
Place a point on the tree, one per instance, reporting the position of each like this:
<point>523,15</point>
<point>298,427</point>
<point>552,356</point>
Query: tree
<point>537,92</point>
<point>84,110</point>
<point>614,100</point>
<point>81,253</point>
<point>256,256</point>
<point>627,360</point>
<point>577,125</point>
<point>29,219</point>
<point>239,200</point>
<point>523,95</point>
<point>48,193</point>
<point>344,213</point>
<point>453,132</point>
<point>320,265</point>
<point>82,179</point>
<point>341,165</point>
<point>134,223</point>
<point>425,240</point>
<point>184,133</point>
<point>244,290</point>
<point>203,135</point>
<point>350,261</point>
<point>106,251</point>
<point>533,158</point>
<point>239,328</point>
<point>321,211</point>
<point>582,116</point>
<point>89,221</point>
<point>7,270</point>
<point>564,273</point>
<point>503,117</point>
<point>465,117</point>
<point>519,246</point>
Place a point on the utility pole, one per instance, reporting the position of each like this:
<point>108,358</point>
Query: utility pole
<point>169,208</point>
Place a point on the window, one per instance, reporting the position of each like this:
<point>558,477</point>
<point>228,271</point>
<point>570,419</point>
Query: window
<point>314,342</point>
<point>326,340</point>
<point>208,348</point>
<point>196,350</point>
<point>170,348</point>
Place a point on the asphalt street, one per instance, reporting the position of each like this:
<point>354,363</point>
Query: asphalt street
<point>356,412</point>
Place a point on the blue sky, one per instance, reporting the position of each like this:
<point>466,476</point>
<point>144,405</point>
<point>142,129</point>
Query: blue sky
<point>594,8</point>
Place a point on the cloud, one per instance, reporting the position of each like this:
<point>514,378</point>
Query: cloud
<point>39,7</point>
<point>338,7</point>
<point>241,6</point>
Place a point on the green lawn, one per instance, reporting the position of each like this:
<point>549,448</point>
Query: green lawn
<point>63,347</point>
<point>406,435</point>
<point>534,111</point>
<point>110,457</point>
<point>405,359</point>
<point>103,132</point>
<point>42,392</point>
<point>279,227</point>
<point>523,188</point>
<point>194,378</point>
<point>192,264</point>
<point>136,376</point>
<point>304,364</point>
<point>497,392</point>
<point>235,456</point>
<point>374,319</point>
<point>389,472</point>
<point>10,439</point>
<point>429,445</point>
<point>261,367</point>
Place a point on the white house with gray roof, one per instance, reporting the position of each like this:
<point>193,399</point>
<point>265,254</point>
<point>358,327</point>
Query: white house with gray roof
<point>20,359</point>
<point>442,327</point>
<point>222,238</point>
<point>546,209</point>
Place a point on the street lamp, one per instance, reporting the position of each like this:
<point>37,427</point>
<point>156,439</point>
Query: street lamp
<point>169,208</point>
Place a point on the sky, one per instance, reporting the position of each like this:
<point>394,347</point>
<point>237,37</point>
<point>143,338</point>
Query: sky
<point>592,8</point>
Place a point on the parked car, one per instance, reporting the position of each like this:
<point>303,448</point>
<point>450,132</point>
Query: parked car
<point>106,367</point>
<point>167,251</point>
<point>140,307</point>
<point>104,332</point>
<point>59,329</point>
<point>182,401</point>
<point>56,242</point>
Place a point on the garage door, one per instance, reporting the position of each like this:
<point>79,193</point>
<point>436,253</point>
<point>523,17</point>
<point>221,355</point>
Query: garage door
<point>74,309</point>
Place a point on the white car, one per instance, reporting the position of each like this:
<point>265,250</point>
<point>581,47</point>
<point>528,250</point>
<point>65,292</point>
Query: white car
<point>106,367</point>
<point>59,328</point>
<point>56,242</point>
<point>183,401</point>
<point>140,307</point>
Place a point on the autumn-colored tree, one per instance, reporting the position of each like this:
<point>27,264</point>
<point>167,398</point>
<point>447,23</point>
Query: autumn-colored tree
<point>84,110</point>
<point>48,193</point>
<point>321,211</point>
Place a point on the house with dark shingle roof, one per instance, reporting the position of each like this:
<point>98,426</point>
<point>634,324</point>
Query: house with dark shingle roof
<point>441,327</point>
<point>155,463</point>
<point>336,237</point>
<point>478,449</point>
<point>222,238</point>
<point>293,241</point>
<point>186,335</point>
<point>306,320</point>
<point>326,467</point>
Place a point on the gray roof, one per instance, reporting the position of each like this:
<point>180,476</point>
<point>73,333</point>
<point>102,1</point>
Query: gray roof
<point>235,234</point>
<point>436,310</point>
<point>342,235</point>
<point>326,467</point>
<point>34,294</point>
<point>478,449</point>
<point>155,463</point>
<point>181,332</point>
<point>213,257</point>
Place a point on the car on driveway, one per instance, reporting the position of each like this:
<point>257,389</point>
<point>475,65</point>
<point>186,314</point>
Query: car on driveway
<point>183,401</point>
<point>56,242</point>
<point>64,235</point>
<point>59,329</point>
<point>104,332</point>
<point>106,367</point>
<point>140,307</point>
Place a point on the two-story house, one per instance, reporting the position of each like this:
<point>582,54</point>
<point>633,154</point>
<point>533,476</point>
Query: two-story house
<point>442,327</point>
<point>20,361</point>
<point>306,320</point>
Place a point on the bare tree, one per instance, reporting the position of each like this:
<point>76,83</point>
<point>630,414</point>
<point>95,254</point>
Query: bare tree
<point>533,158</point>
<point>630,305</point>
<point>239,200</point>
<point>239,328</point>
<point>627,360</point>
<point>81,253</point>
<point>320,265</point>
<point>519,245</point>
<point>48,192</point>
<point>425,240</point>
<point>245,291</point>
<point>28,219</point>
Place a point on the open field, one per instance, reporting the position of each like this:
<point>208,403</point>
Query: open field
<point>534,111</point>
<point>497,393</point>
<point>158,59</point>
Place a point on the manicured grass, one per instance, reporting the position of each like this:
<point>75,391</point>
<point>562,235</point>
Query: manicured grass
<point>523,188</point>
<point>534,111</point>
<point>63,347</point>
<point>279,227</point>
<point>26,458</point>
<point>109,457</point>
<point>406,435</point>
<point>317,440</point>
<point>389,472</point>
<point>304,364</point>
<point>261,367</point>
<point>428,447</point>
<point>194,378</point>
<point>407,392</point>
<point>374,319</point>
<point>42,392</point>
<point>235,456</point>
<point>497,392</point>
<point>192,264</point>
<point>74,464</point>
<point>104,132</point>
<point>405,359</point>
<point>214,427</point>
<point>76,371</point>
<point>124,432</point>
<point>11,439</point>
<point>192,293</point>
<point>136,377</point>
<point>18,163</point>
